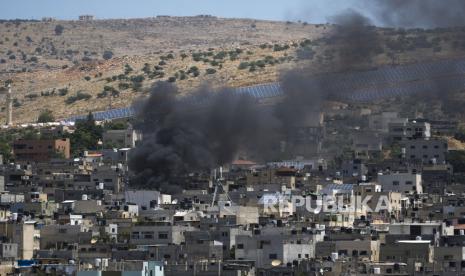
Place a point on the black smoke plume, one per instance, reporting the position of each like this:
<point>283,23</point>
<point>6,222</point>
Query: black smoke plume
<point>357,39</point>
<point>181,136</point>
<point>195,133</point>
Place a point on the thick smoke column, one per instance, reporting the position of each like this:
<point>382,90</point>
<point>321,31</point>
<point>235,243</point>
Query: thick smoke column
<point>358,40</point>
<point>181,136</point>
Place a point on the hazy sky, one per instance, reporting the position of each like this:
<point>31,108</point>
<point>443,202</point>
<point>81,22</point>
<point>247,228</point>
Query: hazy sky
<point>313,11</point>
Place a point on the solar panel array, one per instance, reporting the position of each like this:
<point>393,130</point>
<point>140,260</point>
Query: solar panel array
<point>364,86</point>
<point>111,114</point>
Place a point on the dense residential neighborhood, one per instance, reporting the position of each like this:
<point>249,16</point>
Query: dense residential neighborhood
<point>270,138</point>
<point>368,212</point>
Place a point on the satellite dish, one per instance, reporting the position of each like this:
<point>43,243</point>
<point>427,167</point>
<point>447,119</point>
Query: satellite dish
<point>276,263</point>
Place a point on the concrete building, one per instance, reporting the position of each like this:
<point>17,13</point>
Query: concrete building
<point>127,268</point>
<point>22,234</point>
<point>417,254</point>
<point>146,199</point>
<point>86,17</point>
<point>265,248</point>
<point>8,251</point>
<point>41,150</point>
<point>161,234</point>
<point>405,183</point>
<point>380,122</point>
<point>357,250</point>
<point>367,146</point>
<point>409,130</point>
<point>124,138</point>
<point>427,151</point>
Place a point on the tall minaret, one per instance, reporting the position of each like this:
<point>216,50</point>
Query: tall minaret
<point>9,107</point>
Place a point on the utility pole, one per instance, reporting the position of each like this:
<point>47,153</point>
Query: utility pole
<point>9,107</point>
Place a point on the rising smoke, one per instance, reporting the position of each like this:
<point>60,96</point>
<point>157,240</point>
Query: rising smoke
<point>210,129</point>
<point>181,137</point>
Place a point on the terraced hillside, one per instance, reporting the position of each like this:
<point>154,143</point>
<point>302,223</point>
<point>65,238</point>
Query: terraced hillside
<point>75,67</point>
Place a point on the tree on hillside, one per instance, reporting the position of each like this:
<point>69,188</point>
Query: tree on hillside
<point>46,116</point>
<point>86,135</point>
<point>59,29</point>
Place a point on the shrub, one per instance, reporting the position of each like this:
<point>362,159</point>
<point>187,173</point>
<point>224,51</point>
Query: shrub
<point>260,63</point>
<point>59,29</point>
<point>16,103</point>
<point>127,69</point>
<point>210,71</point>
<point>102,94</point>
<point>146,69</point>
<point>171,79</point>
<point>138,78</point>
<point>87,78</point>
<point>197,56</point>
<point>220,55</point>
<point>31,96</point>
<point>123,85</point>
<point>278,47</point>
<point>63,91</point>
<point>46,116</point>
<point>243,65</point>
<point>78,97</point>
<point>182,76</point>
<point>114,93</point>
<point>107,55</point>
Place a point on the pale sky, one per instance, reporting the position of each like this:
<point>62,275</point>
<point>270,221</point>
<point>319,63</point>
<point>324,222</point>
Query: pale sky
<point>312,11</point>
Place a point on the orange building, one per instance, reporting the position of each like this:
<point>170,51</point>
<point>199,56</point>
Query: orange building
<point>41,150</point>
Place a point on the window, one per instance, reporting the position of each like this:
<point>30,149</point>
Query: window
<point>408,182</point>
<point>163,236</point>
<point>147,235</point>
<point>395,183</point>
<point>240,246</point>
<point>273,256</point>
<point>135,235</point>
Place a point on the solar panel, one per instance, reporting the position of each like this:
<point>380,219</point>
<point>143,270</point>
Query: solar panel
<point>358,86</point>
